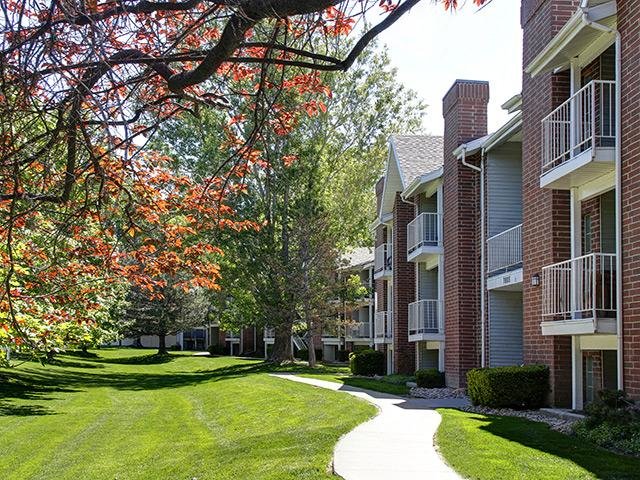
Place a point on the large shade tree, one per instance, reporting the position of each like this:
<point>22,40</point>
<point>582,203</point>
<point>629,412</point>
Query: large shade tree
<point>85,83</point>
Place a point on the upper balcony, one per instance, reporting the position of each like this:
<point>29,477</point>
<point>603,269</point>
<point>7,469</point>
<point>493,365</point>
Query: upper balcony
<point>424,237</point>
<point>426,321</point>
<point>579,296</point>
<point>360,331</point>
<point>233,337</point>
<point>579,137</point>
<point>504,259</point>
<point>383,262</point>
<point>269,335</point>
<point>383,327</point>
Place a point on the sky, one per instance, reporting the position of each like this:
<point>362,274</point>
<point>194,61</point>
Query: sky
<point>431,48</point>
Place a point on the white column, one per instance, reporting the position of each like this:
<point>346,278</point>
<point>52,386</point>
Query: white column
<point>441,357</point>
<point>576,244</point>
<point>576,369</point>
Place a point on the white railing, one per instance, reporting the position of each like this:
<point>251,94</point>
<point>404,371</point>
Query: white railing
<point>331,331</point>
<point>583,287</point>
<point>425,316</point>
<point>359,330</point>
<point>586,120</point>
<point>384,325</point>
<point>232,335</point>
<point>423,230</point>
<point>269,332</point>
<point>382,258</point>
<point>504,250</point>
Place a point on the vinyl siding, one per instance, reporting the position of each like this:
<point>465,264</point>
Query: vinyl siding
<point>505,328</point>
<point>427,358</point>
<point>427,204</point>
<point>608,222</point>
<point>504,188</point>
<point>427,283</point>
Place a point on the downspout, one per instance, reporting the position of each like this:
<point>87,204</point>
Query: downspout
<point>619,297</point>
<point>482,249</point>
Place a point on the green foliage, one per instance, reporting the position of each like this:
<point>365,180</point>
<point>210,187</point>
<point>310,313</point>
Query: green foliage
<point>303,354</point>
<point>613,421</point>
<point>366,362</point>
<point>515,387</point>
<point>430,378</point>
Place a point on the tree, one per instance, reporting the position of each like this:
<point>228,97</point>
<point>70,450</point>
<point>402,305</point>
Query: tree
<point>172,311</point>
<point>84,85</point>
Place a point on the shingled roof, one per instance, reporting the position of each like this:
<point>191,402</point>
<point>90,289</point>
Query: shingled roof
<point>357,257</point>
<point>417,155</point>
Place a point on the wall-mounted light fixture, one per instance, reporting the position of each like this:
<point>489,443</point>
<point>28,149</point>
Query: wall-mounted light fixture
<point>535,280</point>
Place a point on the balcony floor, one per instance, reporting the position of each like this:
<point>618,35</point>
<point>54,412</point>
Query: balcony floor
<point>425,253</point>
<point>508,281</point>
<point>383,274</point>
<point>426,337</point>
<point>579,326</point>
<point>579,170</point>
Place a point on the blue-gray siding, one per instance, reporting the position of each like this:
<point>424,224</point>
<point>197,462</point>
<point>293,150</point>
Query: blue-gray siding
<point>427,358</point>
<point>427,283</point>
<point>608,222</point>
<point>504,188</point>
<point>505,328</point>
<point>427,204</point>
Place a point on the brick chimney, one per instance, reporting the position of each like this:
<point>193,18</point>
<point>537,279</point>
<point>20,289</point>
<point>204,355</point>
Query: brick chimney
<point>464,109</point>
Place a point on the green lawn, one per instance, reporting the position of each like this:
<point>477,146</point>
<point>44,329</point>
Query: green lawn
<point>483,447</point>
<point>392,385</point>
<point>127,414</point>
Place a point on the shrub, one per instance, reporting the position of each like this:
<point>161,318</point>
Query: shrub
<point>216,350</point>
<point>343,356</point>
<point>613,422</point>
<point>366,362</point>
<point>430,378</point>
<point>514,387</point>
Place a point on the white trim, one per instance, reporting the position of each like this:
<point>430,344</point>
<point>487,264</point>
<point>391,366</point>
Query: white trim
<point>421,181</point>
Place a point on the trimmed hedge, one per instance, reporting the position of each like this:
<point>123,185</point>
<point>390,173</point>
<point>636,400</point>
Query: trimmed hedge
<point>215,350</point>
<point>430,378</point>
<point>512,387</point>
<point>367,362</point>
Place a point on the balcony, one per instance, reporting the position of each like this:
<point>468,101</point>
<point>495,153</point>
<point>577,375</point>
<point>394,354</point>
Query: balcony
<point>504,259</point>
<point>360,331</point>
<point>426,321</point>
<point>579,137</point>
<point>383,262</point>
<point>579,296</point>
<point>424,238</point>
<point>383,327</point>
<point>269,335</point>
<point>331,334</point>
<point>233,337</point>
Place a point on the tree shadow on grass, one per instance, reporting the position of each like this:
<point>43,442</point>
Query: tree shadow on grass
<point>602,463</point>
<point>40,383</point>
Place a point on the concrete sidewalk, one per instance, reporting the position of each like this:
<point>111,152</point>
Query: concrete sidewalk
<point>397,443</point>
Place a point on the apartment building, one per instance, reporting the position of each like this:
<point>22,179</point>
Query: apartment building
<point>408,267</point>
<point>537,246</point>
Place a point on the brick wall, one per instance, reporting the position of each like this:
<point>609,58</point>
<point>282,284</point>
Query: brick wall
<point>629,28</point>
<point>546,213</point>
<point>465,118</point>
<point>404,359</point>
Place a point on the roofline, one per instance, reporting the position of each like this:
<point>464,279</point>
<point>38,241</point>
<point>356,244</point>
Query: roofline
<point>492,140</point>
<point>421,180</point>
<point>513,104</point>
<point>579,20</point>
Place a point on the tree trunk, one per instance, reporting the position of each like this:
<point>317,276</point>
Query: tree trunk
<point>281,351</point>
<point>312,351</point>
<point>162,344</point>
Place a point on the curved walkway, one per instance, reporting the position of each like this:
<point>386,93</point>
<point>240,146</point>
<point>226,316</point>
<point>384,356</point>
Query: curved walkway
<point>397,443</point>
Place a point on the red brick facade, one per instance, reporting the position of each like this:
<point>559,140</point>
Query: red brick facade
<point>629,28</point>
<point>465,115</point>
<point>404,279</point>
<point>546,213</point>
